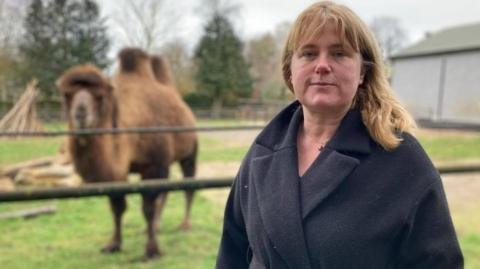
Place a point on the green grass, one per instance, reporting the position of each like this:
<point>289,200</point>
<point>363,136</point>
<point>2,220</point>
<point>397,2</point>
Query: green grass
<point>72,237</point>
<point>452,148</point>
<point>470,244</point>
<point>55,126</point>
<point>17,150</point>
<point>214,150</point>
<point>13,151</point>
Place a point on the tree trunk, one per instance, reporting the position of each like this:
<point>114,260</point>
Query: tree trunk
<point>216,110</point>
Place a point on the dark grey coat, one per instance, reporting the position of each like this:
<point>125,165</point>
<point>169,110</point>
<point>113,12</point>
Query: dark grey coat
<point>357,206</point>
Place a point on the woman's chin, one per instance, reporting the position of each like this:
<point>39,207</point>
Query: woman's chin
<point>324,104</point>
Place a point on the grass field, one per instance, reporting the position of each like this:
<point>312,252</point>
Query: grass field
<point>72,237</point>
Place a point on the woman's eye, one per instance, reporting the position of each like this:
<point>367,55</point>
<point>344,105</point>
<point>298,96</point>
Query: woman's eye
<point>308,54</point>
<point>339,54</point>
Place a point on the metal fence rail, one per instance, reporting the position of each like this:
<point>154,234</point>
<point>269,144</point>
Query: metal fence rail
<point>149,186</point>
<point>449,125</point>
<point>101,189</point>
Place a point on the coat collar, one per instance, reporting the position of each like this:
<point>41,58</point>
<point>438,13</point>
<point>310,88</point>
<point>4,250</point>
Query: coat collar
<point>351,136</point>
<point>284,199</point>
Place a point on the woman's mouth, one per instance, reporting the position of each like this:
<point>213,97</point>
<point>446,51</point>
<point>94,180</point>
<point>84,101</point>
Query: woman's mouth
<point>321,83</point>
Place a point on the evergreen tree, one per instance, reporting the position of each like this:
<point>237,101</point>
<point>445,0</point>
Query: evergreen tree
<point>58,35</point>
<point>222,72</point>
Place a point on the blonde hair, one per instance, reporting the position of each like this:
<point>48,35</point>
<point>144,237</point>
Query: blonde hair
<point>382,114</point>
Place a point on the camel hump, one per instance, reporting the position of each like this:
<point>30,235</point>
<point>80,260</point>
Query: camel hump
<point>87,76</point>
<point>131,58</point>
<point>161,69</point>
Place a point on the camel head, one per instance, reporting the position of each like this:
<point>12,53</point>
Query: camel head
<point>87,96</point>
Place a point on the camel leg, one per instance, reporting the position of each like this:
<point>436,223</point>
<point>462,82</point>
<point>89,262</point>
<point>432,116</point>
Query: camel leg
<point>118,205</point>
<point>161,200</point>
<point>160,204</point>
<point>149,210</point>
<point>151,248</point>
<point>188,166</point>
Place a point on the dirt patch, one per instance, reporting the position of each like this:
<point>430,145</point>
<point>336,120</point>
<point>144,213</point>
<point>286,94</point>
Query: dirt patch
<point>233,138</point>
<point>462,192</point>
<point>218,169</point>
<point>224,169</point>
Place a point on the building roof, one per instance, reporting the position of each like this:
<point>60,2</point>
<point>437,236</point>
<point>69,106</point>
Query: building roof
<point>453,39</point>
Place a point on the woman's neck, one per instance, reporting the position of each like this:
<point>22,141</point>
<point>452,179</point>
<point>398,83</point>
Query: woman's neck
<point>320,127</point>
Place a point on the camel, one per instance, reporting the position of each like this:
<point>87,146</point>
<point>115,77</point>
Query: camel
<point>134,97</point>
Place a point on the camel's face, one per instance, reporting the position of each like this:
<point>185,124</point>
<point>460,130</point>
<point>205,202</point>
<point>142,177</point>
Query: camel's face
<point>86,93</point>
<point>83,109</point>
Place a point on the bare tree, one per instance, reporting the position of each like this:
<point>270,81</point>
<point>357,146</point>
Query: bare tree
<point>12,13</point>
<point>209,8</point>
<point>389,33</point>
<point>280,33</point>
<point>11,18</point>
<point>263,58</point>
<point>181,65</point>
<point>147,23</point>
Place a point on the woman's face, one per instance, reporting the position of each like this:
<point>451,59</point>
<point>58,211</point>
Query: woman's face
<point>326,73</point>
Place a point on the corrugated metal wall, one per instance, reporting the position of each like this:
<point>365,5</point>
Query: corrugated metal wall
<point>444,87</point>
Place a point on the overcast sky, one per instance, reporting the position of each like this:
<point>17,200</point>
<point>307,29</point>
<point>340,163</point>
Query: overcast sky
<point>259,16</point>
<point>416,16</point>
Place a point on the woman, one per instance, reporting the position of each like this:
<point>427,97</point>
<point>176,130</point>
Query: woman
<point>336,180</point>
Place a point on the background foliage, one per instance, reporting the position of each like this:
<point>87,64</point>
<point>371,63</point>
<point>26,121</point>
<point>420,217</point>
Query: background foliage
<point>222,72</point>
<point>60,34</point>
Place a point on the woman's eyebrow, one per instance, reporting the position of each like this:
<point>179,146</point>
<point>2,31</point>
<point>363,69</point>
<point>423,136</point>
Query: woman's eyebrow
<point>338,46</point>
<point>307,46</point>
<point>334,46</point>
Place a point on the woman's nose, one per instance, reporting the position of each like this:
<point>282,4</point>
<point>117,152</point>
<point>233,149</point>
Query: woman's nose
<point>322,65</point>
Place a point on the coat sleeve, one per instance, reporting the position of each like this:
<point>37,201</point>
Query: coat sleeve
<point>233,252</point>
<point>429,239</point>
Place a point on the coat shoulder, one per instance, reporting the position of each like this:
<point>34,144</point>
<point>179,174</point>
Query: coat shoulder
<point>410,148</point>
<point>417,164</point>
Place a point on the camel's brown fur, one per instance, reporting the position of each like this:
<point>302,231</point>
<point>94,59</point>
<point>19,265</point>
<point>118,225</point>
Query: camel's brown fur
<point>133,98</point>
<point>161,70</point>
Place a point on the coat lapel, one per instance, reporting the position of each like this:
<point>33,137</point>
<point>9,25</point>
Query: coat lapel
<point>325,175</point>
<point>278,194</point>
